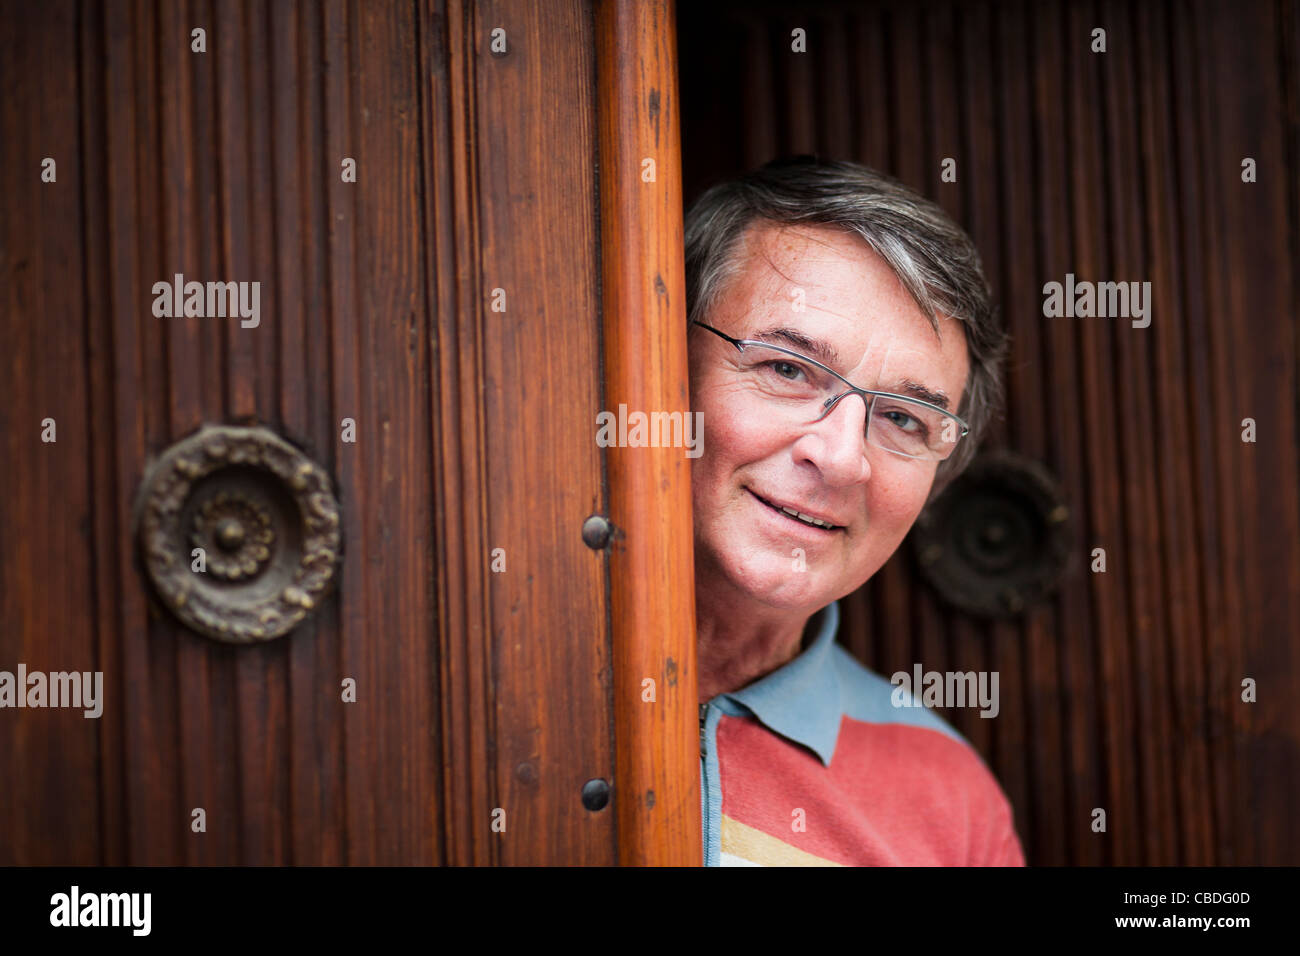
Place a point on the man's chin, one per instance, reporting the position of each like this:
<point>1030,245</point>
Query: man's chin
<point>778,587</point>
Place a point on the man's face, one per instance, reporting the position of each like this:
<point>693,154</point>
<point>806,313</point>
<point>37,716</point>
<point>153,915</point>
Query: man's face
<point>855,304</point>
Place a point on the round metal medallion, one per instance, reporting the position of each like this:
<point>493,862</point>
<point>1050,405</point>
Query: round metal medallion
<point>997,539</point>
<point>238,532</point>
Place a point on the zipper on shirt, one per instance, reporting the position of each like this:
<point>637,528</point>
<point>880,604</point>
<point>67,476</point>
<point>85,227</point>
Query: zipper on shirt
<point>704,777</point>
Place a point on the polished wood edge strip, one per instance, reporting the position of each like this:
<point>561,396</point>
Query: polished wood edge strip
<point>644,320</point>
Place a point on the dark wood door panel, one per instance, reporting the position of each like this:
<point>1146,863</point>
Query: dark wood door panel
<point>1124,691</point>
<point>475,690</point>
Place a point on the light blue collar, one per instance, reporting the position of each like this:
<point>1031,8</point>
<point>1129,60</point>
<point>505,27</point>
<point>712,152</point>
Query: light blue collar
<point>801,700</point>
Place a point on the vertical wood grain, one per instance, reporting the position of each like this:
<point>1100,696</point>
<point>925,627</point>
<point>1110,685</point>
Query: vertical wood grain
<point>651,566</point>
<point>474,428</point>
<point>547,669</point>
<point>47,617</point>
<point>1125,166</point>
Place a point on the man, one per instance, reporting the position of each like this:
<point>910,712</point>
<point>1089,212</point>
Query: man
<point>845,356</point>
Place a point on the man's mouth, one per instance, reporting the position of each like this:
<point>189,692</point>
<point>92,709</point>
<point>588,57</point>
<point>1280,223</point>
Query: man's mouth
<point>794,514</point>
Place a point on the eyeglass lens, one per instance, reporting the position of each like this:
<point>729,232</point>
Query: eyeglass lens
<point>800,389</point>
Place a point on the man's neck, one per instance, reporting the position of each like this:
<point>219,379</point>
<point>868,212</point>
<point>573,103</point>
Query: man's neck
<point>734,651</point>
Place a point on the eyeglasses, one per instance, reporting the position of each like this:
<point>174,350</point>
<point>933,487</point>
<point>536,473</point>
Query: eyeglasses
<point>802,390</point>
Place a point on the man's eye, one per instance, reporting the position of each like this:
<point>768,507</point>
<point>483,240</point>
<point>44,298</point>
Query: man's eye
<point>905,421</point>
<point>787,370</point>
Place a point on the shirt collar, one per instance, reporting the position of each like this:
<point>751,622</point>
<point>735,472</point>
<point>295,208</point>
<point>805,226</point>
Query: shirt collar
<point>801,700</point>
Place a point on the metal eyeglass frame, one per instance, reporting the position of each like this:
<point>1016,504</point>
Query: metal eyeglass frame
<point>851,390</point>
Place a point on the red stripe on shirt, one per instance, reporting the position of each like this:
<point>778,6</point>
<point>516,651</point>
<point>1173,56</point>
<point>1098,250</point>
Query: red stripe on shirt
<point>894,794</point>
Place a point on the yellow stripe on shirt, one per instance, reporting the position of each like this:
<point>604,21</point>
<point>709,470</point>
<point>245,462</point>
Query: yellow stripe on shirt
<point>755,846</point>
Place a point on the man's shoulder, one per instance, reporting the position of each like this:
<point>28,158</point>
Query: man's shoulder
<point>867,697</point>
<point>884,724</point>
<point>889,739</point>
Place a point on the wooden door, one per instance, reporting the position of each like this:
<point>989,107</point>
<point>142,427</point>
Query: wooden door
<point>417,188</point>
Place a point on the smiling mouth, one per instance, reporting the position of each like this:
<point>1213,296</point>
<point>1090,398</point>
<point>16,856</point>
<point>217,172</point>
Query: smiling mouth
<point>806,520</point>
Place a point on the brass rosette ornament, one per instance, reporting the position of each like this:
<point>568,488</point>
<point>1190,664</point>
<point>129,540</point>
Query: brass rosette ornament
<point>997,541</point>
<point>238,533</point>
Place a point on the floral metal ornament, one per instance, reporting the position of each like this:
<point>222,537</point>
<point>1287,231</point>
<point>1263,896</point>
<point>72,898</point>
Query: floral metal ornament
<point>238,533</point>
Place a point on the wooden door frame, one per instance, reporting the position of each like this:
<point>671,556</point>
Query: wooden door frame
<point>651,555</point>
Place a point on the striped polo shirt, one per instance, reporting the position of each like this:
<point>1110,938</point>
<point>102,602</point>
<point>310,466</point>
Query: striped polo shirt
<point>813,765</point>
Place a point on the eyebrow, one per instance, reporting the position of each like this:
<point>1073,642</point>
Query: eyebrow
<point>826,354</point>
<point>822,351</point>
<point>917,390</point>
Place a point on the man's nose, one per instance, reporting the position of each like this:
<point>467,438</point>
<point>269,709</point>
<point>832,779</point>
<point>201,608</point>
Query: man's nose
<point>837,444</point>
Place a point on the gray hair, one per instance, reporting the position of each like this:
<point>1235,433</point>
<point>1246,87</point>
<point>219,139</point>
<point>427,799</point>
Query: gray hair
<point>935,260</point>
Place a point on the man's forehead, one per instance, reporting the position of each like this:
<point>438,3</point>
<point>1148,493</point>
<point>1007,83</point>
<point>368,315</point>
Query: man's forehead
<point>819,270</point>
<point>781,251</point>
<point>823,263</point>
<point>817,267</point>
